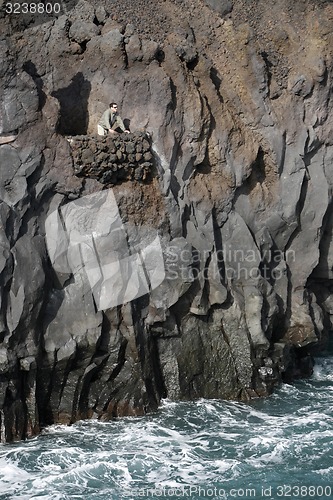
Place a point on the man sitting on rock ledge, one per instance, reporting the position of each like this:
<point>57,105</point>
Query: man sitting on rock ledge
<point>111,122</point>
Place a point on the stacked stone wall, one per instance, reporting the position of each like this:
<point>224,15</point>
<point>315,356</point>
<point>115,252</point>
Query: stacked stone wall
<point>112,160</point>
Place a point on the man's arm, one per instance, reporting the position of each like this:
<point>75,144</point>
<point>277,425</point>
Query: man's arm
<point>108,119</point>
<point>121,125</point>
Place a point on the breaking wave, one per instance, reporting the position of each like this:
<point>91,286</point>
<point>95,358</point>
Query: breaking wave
<point>203,449</point>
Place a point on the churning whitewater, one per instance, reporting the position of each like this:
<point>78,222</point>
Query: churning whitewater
<point>277,447</point>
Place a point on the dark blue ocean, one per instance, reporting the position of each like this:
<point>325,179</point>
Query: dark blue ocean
<point>278,447</point>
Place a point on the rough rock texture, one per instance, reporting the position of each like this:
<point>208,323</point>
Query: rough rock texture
<point>238,104</point>
<point>113,160</point>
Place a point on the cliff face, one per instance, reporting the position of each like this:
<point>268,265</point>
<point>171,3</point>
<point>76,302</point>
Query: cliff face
<point>236,98</point>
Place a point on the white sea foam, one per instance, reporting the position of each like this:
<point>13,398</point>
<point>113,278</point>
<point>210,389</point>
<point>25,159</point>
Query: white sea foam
<point>323,369</point>
<point>203,442</point>
<point>11,475</point>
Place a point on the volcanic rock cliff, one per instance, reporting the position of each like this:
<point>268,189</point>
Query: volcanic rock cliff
<point>234,101</point>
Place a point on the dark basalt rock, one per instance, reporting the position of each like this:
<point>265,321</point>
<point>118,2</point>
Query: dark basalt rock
<point>113,160</point>
<point>233,186</point>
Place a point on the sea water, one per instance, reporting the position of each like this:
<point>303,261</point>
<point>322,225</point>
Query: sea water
<point>277,447</point>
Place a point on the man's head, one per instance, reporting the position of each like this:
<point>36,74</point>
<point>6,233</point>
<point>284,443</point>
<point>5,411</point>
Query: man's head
<point>114,106</point>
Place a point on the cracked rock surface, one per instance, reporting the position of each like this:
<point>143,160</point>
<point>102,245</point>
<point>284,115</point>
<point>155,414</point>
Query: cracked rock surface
<point>236,98</point>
